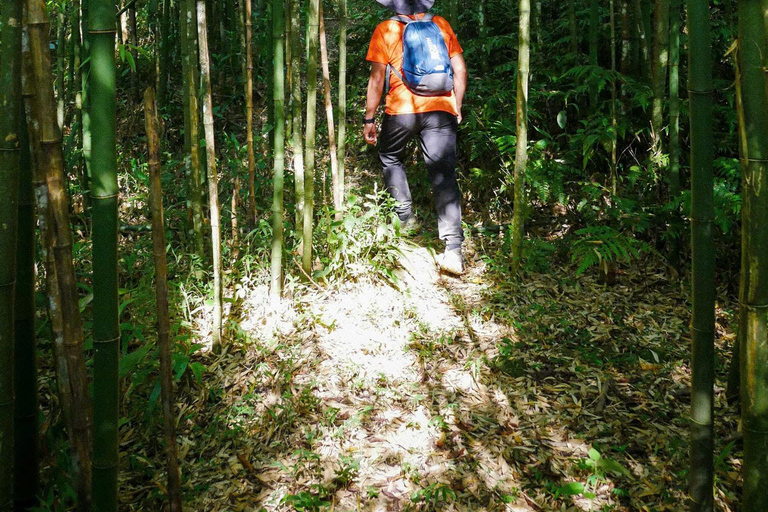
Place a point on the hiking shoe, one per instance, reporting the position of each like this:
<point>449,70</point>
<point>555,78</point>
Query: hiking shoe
<point>410,226</point>
<point>451,262</point>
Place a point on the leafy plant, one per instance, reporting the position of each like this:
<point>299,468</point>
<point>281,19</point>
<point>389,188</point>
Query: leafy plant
<point>601,245</point>
<point>308,501</point>
<point>364,242</point>
<point>434,495</point>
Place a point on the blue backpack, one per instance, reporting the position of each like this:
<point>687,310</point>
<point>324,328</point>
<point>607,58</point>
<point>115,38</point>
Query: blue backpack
<point>427,69</point>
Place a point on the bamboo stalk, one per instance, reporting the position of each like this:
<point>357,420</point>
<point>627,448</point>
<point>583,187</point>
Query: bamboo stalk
<point>248,15</point>
<point>10,155</point>
<point>311,134</point>
<point>65,306</point>
<point>703,255</point>
<point>278,92</point>
<point>161,294</point>
<point>338,192</point>
<point>521,156</point>
<point>753,296</point>
<point>342,150</point>
<point>192,123</point>
<point>213,178</point>
<point>26,412</point>
<point>297,141</point>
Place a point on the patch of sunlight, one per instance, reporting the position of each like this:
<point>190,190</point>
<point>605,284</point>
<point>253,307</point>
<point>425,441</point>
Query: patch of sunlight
<point>265,320</point>
<point>366,332</point>
<point>459,380</point>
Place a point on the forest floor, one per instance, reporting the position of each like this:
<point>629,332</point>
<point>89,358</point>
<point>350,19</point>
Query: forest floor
<point>551,393</point>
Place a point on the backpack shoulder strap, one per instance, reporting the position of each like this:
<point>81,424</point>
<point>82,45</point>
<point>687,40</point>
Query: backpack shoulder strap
<point>428,17</point>
<point>401,19</point>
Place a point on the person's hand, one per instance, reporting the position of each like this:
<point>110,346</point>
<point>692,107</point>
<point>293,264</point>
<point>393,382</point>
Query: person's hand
<point>459,117</point>
<point>370,134</point>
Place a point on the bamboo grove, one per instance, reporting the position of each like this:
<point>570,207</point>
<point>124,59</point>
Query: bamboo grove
<point>643,120</point>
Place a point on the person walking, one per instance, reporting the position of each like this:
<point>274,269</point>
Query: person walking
<point>417,58</point>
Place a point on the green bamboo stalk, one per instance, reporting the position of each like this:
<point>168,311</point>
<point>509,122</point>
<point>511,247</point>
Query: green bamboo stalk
<point>26,428</point>
<point>104,197</point>
<point>342,150</point>
<point>62,285</point>
<point>278,92</point>
<point>573,28</point>
<point>213,177</point>
<point>703,254</point>
<point>674,127</point>
<point>61,43</point>
<point>625,62</point>
<point>10,155</point>
<point>594,32</point>
<point>248,19</point>
<point>753,297</point>
<point>660,64</point>
<point>161,293</point>
<point>313,35</point>
<point>297,143</point>
<point>521,156</point>
<point>614,93</point>
<point>192,124</point>
<point>641,8</point>
<point>85,126</point>
<point>164,46</point>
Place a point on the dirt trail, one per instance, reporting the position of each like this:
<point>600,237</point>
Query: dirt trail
<point>372,409</point>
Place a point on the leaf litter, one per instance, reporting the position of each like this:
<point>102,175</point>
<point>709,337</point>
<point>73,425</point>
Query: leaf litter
<point>472,394</point>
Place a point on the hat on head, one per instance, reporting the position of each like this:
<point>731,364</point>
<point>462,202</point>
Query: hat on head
<point>408,6</point>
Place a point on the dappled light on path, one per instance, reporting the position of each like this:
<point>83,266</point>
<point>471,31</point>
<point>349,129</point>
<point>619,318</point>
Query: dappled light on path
<point>437,393</point>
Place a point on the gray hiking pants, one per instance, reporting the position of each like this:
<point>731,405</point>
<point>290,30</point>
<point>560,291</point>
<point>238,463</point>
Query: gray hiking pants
<point>436,132</point>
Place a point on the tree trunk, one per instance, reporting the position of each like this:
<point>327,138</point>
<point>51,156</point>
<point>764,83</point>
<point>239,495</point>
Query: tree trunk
<point>50,163</point>
<point>104,195</point>
<point>10,161</point>
<point>338,190</point>
<point>703,272</point>
<point>753,296</point>
<point>278,150</point>
<point>161,294</point>
<point>213,178</point>
<point>521,156</point>
<point>309,175</point>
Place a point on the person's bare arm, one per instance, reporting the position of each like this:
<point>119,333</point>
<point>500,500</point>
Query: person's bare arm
<point>375,86</point>
<point>459,80</point>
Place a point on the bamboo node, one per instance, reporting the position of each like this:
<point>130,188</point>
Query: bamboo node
<point>111,196</point>
<point>104,342</point>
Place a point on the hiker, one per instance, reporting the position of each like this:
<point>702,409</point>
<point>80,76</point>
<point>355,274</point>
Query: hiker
<point>426,77</point>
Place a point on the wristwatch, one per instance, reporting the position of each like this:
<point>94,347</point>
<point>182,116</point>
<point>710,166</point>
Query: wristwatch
<point>369,121</point>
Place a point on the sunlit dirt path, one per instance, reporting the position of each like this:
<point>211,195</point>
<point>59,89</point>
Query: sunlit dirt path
<point>471,394</point>
<point>359,399</point>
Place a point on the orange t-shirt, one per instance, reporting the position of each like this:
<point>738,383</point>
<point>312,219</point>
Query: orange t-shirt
<point>387,48</point>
